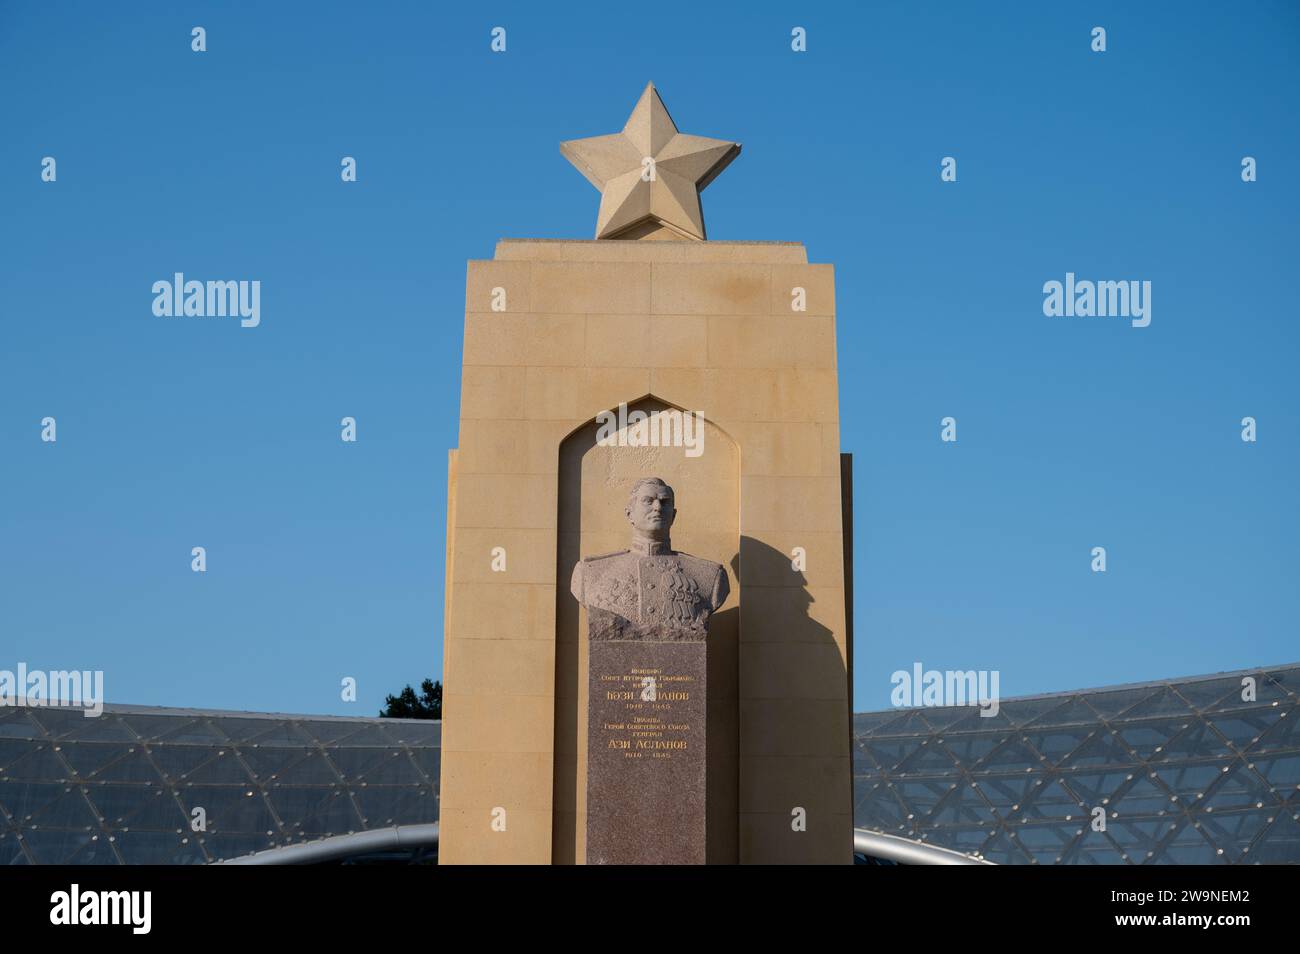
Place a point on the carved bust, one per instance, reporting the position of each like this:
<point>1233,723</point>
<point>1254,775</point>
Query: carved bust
<point>650,591</point>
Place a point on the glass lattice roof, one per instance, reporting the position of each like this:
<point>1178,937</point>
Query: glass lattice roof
<point>1187,772</point>
<point>122,788</point>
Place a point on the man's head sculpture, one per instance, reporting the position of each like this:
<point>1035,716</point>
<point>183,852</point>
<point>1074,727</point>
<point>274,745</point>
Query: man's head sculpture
<point>651,507</point>
<point>650,591</point>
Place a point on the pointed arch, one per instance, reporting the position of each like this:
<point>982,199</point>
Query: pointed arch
<point>593,483</point>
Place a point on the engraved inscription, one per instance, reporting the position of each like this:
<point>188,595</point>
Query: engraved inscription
<point>650,724</point>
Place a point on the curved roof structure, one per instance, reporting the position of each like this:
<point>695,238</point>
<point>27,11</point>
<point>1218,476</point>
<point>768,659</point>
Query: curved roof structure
<point>124,787</point>
<point>1187,771</point>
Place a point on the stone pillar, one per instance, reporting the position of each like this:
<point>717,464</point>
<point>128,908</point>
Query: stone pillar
<point>647,753</point>
<point>744,333</point>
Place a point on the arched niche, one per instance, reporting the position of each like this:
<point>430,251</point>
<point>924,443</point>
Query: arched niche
<point>594,483</point>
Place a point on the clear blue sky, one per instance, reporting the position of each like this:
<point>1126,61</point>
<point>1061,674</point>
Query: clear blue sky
<point>325,559</point>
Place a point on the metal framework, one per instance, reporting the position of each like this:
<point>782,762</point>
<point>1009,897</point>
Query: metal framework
<point>1188,771</point>
<point>1191,771</point>
<point>183,786</point>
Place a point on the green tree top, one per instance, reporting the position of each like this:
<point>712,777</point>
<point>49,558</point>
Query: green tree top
<point>407,705</point>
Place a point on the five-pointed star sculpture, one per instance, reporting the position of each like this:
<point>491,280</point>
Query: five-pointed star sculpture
<point>650,176</point>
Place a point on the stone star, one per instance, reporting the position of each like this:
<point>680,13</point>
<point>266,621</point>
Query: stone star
<point>650,176</point>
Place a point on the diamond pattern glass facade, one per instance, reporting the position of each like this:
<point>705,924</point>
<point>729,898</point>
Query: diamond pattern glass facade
<point>1187,771</point>
<point>122,788</point>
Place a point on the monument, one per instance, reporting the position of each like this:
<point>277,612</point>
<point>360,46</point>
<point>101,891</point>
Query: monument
<point>647,622</point>
<point>721,657</point>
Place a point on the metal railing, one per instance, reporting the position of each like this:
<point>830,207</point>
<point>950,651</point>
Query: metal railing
<point>400,837</point>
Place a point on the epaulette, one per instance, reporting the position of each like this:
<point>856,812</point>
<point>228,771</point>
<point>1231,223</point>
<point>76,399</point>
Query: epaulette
<point>602,556</point>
